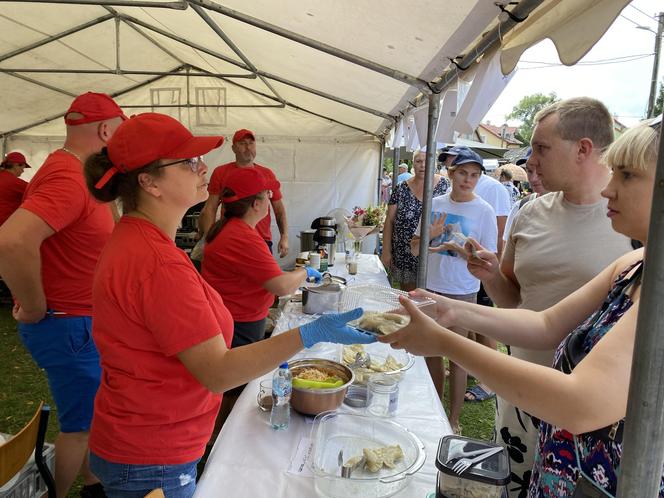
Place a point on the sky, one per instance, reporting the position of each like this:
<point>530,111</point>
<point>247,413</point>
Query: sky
<point>624,86</point>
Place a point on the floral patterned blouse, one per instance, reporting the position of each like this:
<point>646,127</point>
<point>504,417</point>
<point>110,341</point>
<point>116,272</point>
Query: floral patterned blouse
<point>556,469</point>
<point>409,211</point>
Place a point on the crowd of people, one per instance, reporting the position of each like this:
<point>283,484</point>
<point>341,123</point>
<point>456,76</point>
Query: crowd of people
<point>135,342</point>
<point>566,290</point>
<point>138,346</point>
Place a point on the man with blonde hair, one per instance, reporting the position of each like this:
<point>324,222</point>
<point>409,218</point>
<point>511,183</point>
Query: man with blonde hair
<point>557,243</point>
<point>48,252</point>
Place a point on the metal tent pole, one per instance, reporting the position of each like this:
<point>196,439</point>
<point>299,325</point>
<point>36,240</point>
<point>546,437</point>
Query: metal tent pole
<point>381,155</point>
<point>432,126</point>
<point>395,165</point>
<point>643,442</point>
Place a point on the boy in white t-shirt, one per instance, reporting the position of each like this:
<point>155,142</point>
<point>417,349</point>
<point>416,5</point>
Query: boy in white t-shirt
<point>455,216</point>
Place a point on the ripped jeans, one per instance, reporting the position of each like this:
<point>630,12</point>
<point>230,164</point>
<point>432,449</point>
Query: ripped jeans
<point>135,481</point>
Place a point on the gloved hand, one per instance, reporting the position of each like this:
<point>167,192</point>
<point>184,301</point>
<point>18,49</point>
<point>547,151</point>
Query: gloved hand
<point>333,328</point>
<point>313,273</point>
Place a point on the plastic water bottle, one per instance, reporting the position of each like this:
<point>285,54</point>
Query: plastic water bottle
<point>282,385</point>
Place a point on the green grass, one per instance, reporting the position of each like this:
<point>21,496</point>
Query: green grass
<point>22,385</point>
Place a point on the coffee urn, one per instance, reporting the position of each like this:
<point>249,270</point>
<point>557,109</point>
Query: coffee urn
<point>326,235</point>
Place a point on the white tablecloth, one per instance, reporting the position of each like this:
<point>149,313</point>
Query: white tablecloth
<point>250,459</point>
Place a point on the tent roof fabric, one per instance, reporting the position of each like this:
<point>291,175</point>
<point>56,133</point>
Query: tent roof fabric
<point>287,64</point>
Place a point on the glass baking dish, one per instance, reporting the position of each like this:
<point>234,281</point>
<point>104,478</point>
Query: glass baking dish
<point>335,432</point>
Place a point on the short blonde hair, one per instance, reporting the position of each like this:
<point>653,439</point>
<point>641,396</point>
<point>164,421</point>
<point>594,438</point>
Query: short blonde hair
<point>636,148</point>
<point>581,117</point>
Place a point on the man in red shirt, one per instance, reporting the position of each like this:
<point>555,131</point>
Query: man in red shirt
<point>48,252</point>
<point>244,147</point>
<point>11,186</point>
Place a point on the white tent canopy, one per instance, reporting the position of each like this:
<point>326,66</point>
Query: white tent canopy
<point>321,83</point>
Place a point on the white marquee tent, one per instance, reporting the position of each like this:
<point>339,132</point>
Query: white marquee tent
<point>321,83</point>
<point>324,84</point>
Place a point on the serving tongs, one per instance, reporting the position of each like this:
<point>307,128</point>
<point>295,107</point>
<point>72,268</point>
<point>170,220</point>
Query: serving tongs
<point>346,470</point>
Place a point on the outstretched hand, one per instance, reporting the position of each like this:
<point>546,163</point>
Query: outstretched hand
<point>422,336</point>
<point>481,263</point>
<point>333,327</point>
<point>442,310</point>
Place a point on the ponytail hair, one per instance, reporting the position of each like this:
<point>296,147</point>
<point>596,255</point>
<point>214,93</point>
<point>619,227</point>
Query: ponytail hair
<point>235,209</point>
<point>123,186</point>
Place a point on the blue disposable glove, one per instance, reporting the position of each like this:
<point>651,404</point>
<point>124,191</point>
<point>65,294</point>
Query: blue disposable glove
<point>312,272</point>
<point>332,328</point>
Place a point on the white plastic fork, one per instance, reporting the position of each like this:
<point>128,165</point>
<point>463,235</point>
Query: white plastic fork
<point>465,463</point>
<point>466,454</point>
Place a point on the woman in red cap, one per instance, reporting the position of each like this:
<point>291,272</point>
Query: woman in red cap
<point>11,186</point>
<point>237,262</point>
<point>162,332</point>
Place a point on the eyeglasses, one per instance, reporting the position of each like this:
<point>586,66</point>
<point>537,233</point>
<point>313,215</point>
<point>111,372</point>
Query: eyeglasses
<point>192,162</point>
<point>656,123</point>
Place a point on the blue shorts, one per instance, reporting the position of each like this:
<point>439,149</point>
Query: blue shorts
<point>63,347</point>
<point>122,480</point>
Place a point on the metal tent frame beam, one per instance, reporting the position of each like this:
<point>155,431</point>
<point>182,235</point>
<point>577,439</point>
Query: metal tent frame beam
<point>61,114</point>
<point>294,106</point>
<point>215,27</point>
<point>53,38</point>
<point>303,40</point>
<point>40,83</point>
<point>273,77</point>
<point>121,72</point>
<point>116,3</point>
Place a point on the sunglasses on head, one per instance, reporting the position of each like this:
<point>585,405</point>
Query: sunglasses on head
<point>656,123</point>
<point>192,162</point>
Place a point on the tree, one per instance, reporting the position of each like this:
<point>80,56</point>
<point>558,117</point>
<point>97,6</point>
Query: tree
<point>659,101</point>
<point>526,110</point>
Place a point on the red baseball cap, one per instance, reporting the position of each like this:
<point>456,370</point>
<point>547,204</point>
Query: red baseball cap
<point>144,138</point>
<point>248,181</point>
<point>243,133</point>
<point>94,107</point>
<point>15,158</point>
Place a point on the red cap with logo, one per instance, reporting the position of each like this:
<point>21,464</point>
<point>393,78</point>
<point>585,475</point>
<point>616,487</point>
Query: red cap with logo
<point>145,138</point>
<point>243,133</point>
<point>15,158</point>
<point>245,182</point>
<point>93,107</point>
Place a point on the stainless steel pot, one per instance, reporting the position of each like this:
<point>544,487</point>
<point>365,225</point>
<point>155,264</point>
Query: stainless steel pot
<point>315,401</point>
<point>321,299</point>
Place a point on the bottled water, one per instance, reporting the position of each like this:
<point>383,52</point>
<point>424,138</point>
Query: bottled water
<point>282,385</point>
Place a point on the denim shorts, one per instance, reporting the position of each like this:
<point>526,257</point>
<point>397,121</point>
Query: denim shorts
<point>64,348</point>
<point>135,481</point>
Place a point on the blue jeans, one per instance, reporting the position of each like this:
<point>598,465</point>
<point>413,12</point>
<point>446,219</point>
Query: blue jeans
<point>135,481</point>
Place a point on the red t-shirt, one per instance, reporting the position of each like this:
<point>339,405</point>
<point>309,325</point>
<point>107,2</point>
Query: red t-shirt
<point>11,194</point>
<point>237,263</point>
<point>149,304</point>
<point>216,187</point>
<point>58,195</point>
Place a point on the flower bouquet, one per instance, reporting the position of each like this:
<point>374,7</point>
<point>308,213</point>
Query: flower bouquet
<point>366,221</point>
